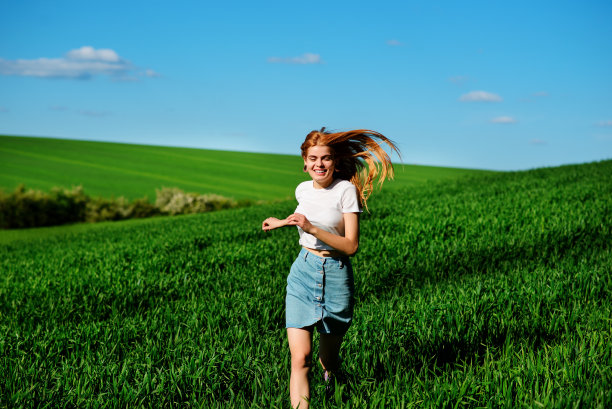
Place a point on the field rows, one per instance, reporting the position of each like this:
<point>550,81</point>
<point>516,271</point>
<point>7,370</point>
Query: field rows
<point>135,171</point>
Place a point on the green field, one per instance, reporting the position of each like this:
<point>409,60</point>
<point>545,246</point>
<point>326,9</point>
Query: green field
<point>135,171</point>
<point>487,291</point>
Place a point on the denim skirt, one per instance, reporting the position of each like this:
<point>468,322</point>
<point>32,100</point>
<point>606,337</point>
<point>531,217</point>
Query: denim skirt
<point>320,291</point>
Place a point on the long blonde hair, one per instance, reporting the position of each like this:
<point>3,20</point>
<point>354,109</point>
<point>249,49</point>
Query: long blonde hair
<point>358,157</point>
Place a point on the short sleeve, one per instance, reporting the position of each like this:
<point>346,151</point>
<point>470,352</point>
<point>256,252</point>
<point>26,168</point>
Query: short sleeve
<point>349,200</point>
<point>299,191</point>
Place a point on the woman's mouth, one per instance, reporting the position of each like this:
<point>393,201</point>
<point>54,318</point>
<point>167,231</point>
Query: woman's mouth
<point>320,172</point>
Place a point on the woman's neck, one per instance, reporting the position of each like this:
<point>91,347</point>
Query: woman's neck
<point>317,185</point>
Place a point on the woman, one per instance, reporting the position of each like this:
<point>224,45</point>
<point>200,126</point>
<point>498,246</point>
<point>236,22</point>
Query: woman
<point>342,166</point>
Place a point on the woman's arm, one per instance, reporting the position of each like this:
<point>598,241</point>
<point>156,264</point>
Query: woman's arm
<point>347,244</point>
<point>272,223</point>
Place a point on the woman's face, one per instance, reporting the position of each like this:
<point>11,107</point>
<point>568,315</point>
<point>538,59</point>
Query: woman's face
<point>319,163</point>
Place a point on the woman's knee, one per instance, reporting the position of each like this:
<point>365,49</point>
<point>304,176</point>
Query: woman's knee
<point>300,345</point>
<point>301,359</point>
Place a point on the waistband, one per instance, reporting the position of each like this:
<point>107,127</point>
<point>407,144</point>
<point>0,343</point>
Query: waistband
<point>306,254</point>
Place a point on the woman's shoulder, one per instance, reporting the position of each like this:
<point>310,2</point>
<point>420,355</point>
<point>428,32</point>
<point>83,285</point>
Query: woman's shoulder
<point>343,185</point>
<point>302,187</point>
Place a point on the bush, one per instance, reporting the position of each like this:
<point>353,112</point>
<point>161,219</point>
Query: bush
<point>174,201</point>
<point>141,208</point>
<point>33,208</point>
<point>67,205</point>
<point>100,209</point>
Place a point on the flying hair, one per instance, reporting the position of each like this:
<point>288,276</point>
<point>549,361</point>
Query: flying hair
<point>358,156</point>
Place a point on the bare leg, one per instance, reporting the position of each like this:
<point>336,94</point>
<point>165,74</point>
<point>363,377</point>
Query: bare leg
<point>329,351</point>
<point>300,345</point>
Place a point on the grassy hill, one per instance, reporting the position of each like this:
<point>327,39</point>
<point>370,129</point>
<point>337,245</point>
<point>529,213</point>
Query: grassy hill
<point>135,171</point>
<point>492,291</point>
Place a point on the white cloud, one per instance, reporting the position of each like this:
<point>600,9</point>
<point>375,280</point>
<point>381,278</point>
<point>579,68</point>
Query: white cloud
<point>152,74</point>
<point>82,63</point>
<point>394,43</point>
<point>306,58</point>
<point>504,120</point>
<point>94,114</point>
<point>604,123</point>
<point>459,79</point>
<point>90,53</point>
<point>537,141</point>
<point>480,96</point>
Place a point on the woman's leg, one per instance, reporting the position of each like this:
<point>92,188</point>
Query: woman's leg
<point>329,351</point>
<point>300,345</point>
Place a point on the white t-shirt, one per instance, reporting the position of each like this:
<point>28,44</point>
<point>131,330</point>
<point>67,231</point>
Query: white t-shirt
<point>324,208</point>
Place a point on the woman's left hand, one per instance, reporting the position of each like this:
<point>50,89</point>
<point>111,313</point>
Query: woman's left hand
<point>297,219</point>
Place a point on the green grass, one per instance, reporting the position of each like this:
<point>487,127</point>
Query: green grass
<point>135,171</point>
<point>490,291</point>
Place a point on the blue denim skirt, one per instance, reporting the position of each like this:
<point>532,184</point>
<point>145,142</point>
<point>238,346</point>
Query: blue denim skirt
<point>320,291</point>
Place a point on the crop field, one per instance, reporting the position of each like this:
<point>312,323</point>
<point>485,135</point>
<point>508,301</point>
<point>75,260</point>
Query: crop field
<point>135,171</point>
<point>487,291</point>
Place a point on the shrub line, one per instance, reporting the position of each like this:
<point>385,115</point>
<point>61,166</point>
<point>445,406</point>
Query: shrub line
<point>24,208</point>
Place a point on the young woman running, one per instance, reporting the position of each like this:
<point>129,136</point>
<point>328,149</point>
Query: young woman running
<point>320,289</point>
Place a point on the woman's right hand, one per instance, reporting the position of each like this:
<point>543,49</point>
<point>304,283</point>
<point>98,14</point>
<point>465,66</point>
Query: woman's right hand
<point>272,223</point>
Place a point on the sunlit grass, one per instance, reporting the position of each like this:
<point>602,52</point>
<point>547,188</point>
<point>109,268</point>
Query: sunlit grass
<point>492,291</point>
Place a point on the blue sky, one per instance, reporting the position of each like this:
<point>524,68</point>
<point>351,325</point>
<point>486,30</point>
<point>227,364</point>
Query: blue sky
<point>492,85</point>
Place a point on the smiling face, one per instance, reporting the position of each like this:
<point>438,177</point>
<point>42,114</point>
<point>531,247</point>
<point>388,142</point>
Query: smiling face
<point>319,162</point>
